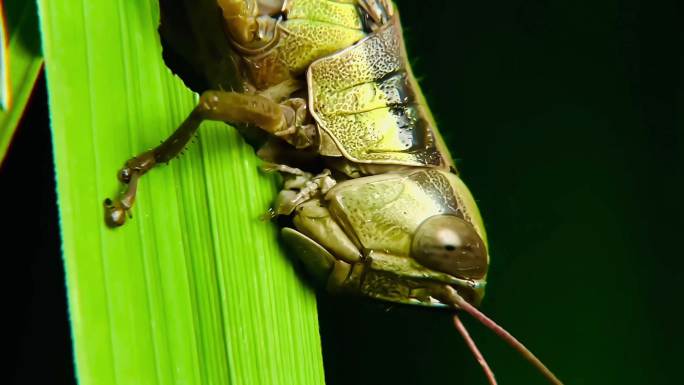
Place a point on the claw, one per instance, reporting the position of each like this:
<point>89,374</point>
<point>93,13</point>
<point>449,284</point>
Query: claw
<point>115,213</point>
<point>117,209</point>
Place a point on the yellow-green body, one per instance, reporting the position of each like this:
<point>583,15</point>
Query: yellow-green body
<point>373,128</point>
<point>369,111</point>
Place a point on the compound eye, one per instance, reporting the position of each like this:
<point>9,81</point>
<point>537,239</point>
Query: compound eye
<point>450,245</point>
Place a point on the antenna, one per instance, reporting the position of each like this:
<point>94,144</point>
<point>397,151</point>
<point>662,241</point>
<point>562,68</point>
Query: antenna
<point>473,348</point>
<point>462,304</point>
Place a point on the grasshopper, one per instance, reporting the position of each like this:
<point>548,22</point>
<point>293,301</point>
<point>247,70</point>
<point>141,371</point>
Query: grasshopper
<point>373,199</point>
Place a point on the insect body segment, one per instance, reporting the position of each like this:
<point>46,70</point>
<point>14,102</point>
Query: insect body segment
<point>366,99</point>
<point>371,191</point>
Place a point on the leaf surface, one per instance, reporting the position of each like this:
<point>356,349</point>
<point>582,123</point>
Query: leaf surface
<point>194,289</point>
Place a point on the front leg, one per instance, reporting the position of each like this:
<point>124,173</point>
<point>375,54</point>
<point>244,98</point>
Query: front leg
<point>255,110</point>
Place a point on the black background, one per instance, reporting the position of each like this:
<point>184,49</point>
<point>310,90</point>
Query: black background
<point>35,307</point>
<point>565,118</point>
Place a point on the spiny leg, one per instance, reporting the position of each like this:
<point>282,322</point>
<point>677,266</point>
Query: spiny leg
<point>213,105</point>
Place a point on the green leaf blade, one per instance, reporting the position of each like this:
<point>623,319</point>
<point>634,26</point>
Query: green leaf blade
<point>195,289</point>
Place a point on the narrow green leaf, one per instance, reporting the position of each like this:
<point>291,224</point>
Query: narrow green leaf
<point>21,63</point>
<point>195,289</point>
<point>4,67</point>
